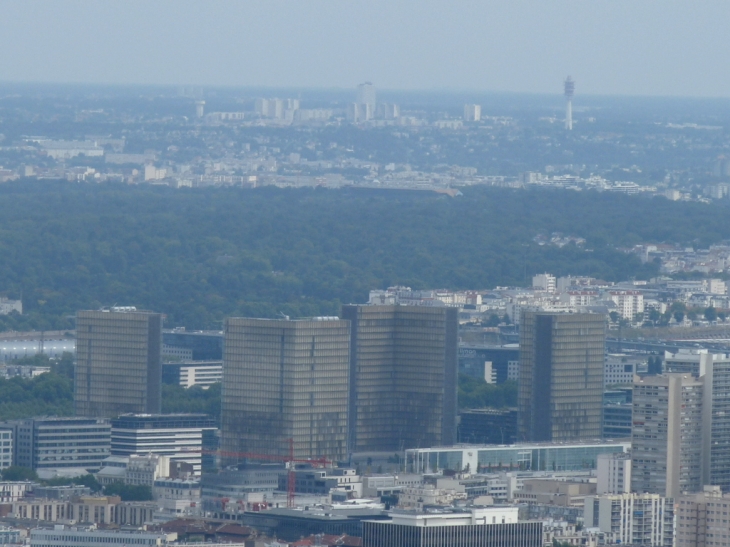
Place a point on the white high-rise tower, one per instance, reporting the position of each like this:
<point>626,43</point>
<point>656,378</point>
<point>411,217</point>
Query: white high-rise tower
<point>569,91</point>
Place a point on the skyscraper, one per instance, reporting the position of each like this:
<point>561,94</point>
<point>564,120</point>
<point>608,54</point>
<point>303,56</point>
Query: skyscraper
<point>366,94</point>
<point>403,377</point>
<point>118,366</point>
<point>569,89</point>
<point>561,376</point>
<point>666,438</point>
<point>286,380</point>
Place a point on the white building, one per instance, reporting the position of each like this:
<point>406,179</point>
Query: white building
<point>579,298</point>
<point>181,437</point>
<point>9,306</point>
<point>544,282</point>
<point>629,304</point>
<point>638,519</point>
<point>613,473</point>
<point>11,491</point>
<point>472,112</point>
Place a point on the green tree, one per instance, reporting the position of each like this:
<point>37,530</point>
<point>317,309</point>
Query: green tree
<point>129,492</point>
<point>678,316</point>
<point>18,473</point>
<point>711,313</point>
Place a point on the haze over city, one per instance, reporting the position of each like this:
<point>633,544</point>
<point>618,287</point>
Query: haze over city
<point>364,274</point>
<point>617,47</point>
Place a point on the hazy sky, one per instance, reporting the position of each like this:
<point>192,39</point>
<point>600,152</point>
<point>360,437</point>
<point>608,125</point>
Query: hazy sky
<point>645,47</point>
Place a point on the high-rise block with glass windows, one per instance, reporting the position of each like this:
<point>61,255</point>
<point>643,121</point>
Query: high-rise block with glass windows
<point>560,394</point>
<point>403,377</point>
<point>118,364</point>
<point>282,380</point>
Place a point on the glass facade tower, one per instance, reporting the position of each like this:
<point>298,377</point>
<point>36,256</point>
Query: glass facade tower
<point>285,380</point>
<point>561,376</point>
<point>403,377</point>
<point>118,365</point>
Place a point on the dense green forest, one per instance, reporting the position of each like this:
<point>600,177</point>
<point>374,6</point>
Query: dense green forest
<point>200,255</point>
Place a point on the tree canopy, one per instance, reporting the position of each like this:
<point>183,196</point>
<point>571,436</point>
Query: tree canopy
<point>200,255</point>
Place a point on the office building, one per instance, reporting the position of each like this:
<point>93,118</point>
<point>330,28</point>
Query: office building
<point>632,519</point>
<point>118,367</point>
<point>666,440</point>
<point>56,443</point>
<point>472,112</point>
<point>713,370</point>
<point>561,376</point>
<point>403,377</point>
<point>286,380</point>
<point>477,527</point>
<point>488,426</point>
<point>702,519</point>
<point>613,473</point>
<point>181,437</point>
<point>525,456</point>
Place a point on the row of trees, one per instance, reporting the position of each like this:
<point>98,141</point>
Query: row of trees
<point>126,491</point>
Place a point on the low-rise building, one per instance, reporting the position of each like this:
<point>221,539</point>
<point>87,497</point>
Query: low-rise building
<point>63,536</point>
<point>555,492</point>
<point>477,527</point>
<point>14,490</point>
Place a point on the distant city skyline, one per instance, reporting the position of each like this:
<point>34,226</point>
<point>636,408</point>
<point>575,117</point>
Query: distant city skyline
<point>613,48</point>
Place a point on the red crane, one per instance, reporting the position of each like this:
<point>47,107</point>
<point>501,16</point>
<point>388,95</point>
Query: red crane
<point>290,460</point>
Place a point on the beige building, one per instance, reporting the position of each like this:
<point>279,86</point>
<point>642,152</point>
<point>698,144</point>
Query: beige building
<point>703,520</point>
<point>554,492</point>
<point>118,364</point>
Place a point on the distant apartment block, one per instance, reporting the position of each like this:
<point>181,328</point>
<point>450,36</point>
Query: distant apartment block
<point>8,306</point>
<point>472,112</point>
<point>118,368</point>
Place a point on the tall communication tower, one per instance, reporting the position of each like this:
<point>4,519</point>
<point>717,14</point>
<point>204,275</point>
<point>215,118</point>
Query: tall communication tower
<point>569,91</point>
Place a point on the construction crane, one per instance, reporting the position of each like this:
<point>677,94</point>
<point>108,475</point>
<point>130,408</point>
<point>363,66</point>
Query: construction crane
<point>290,460</point>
